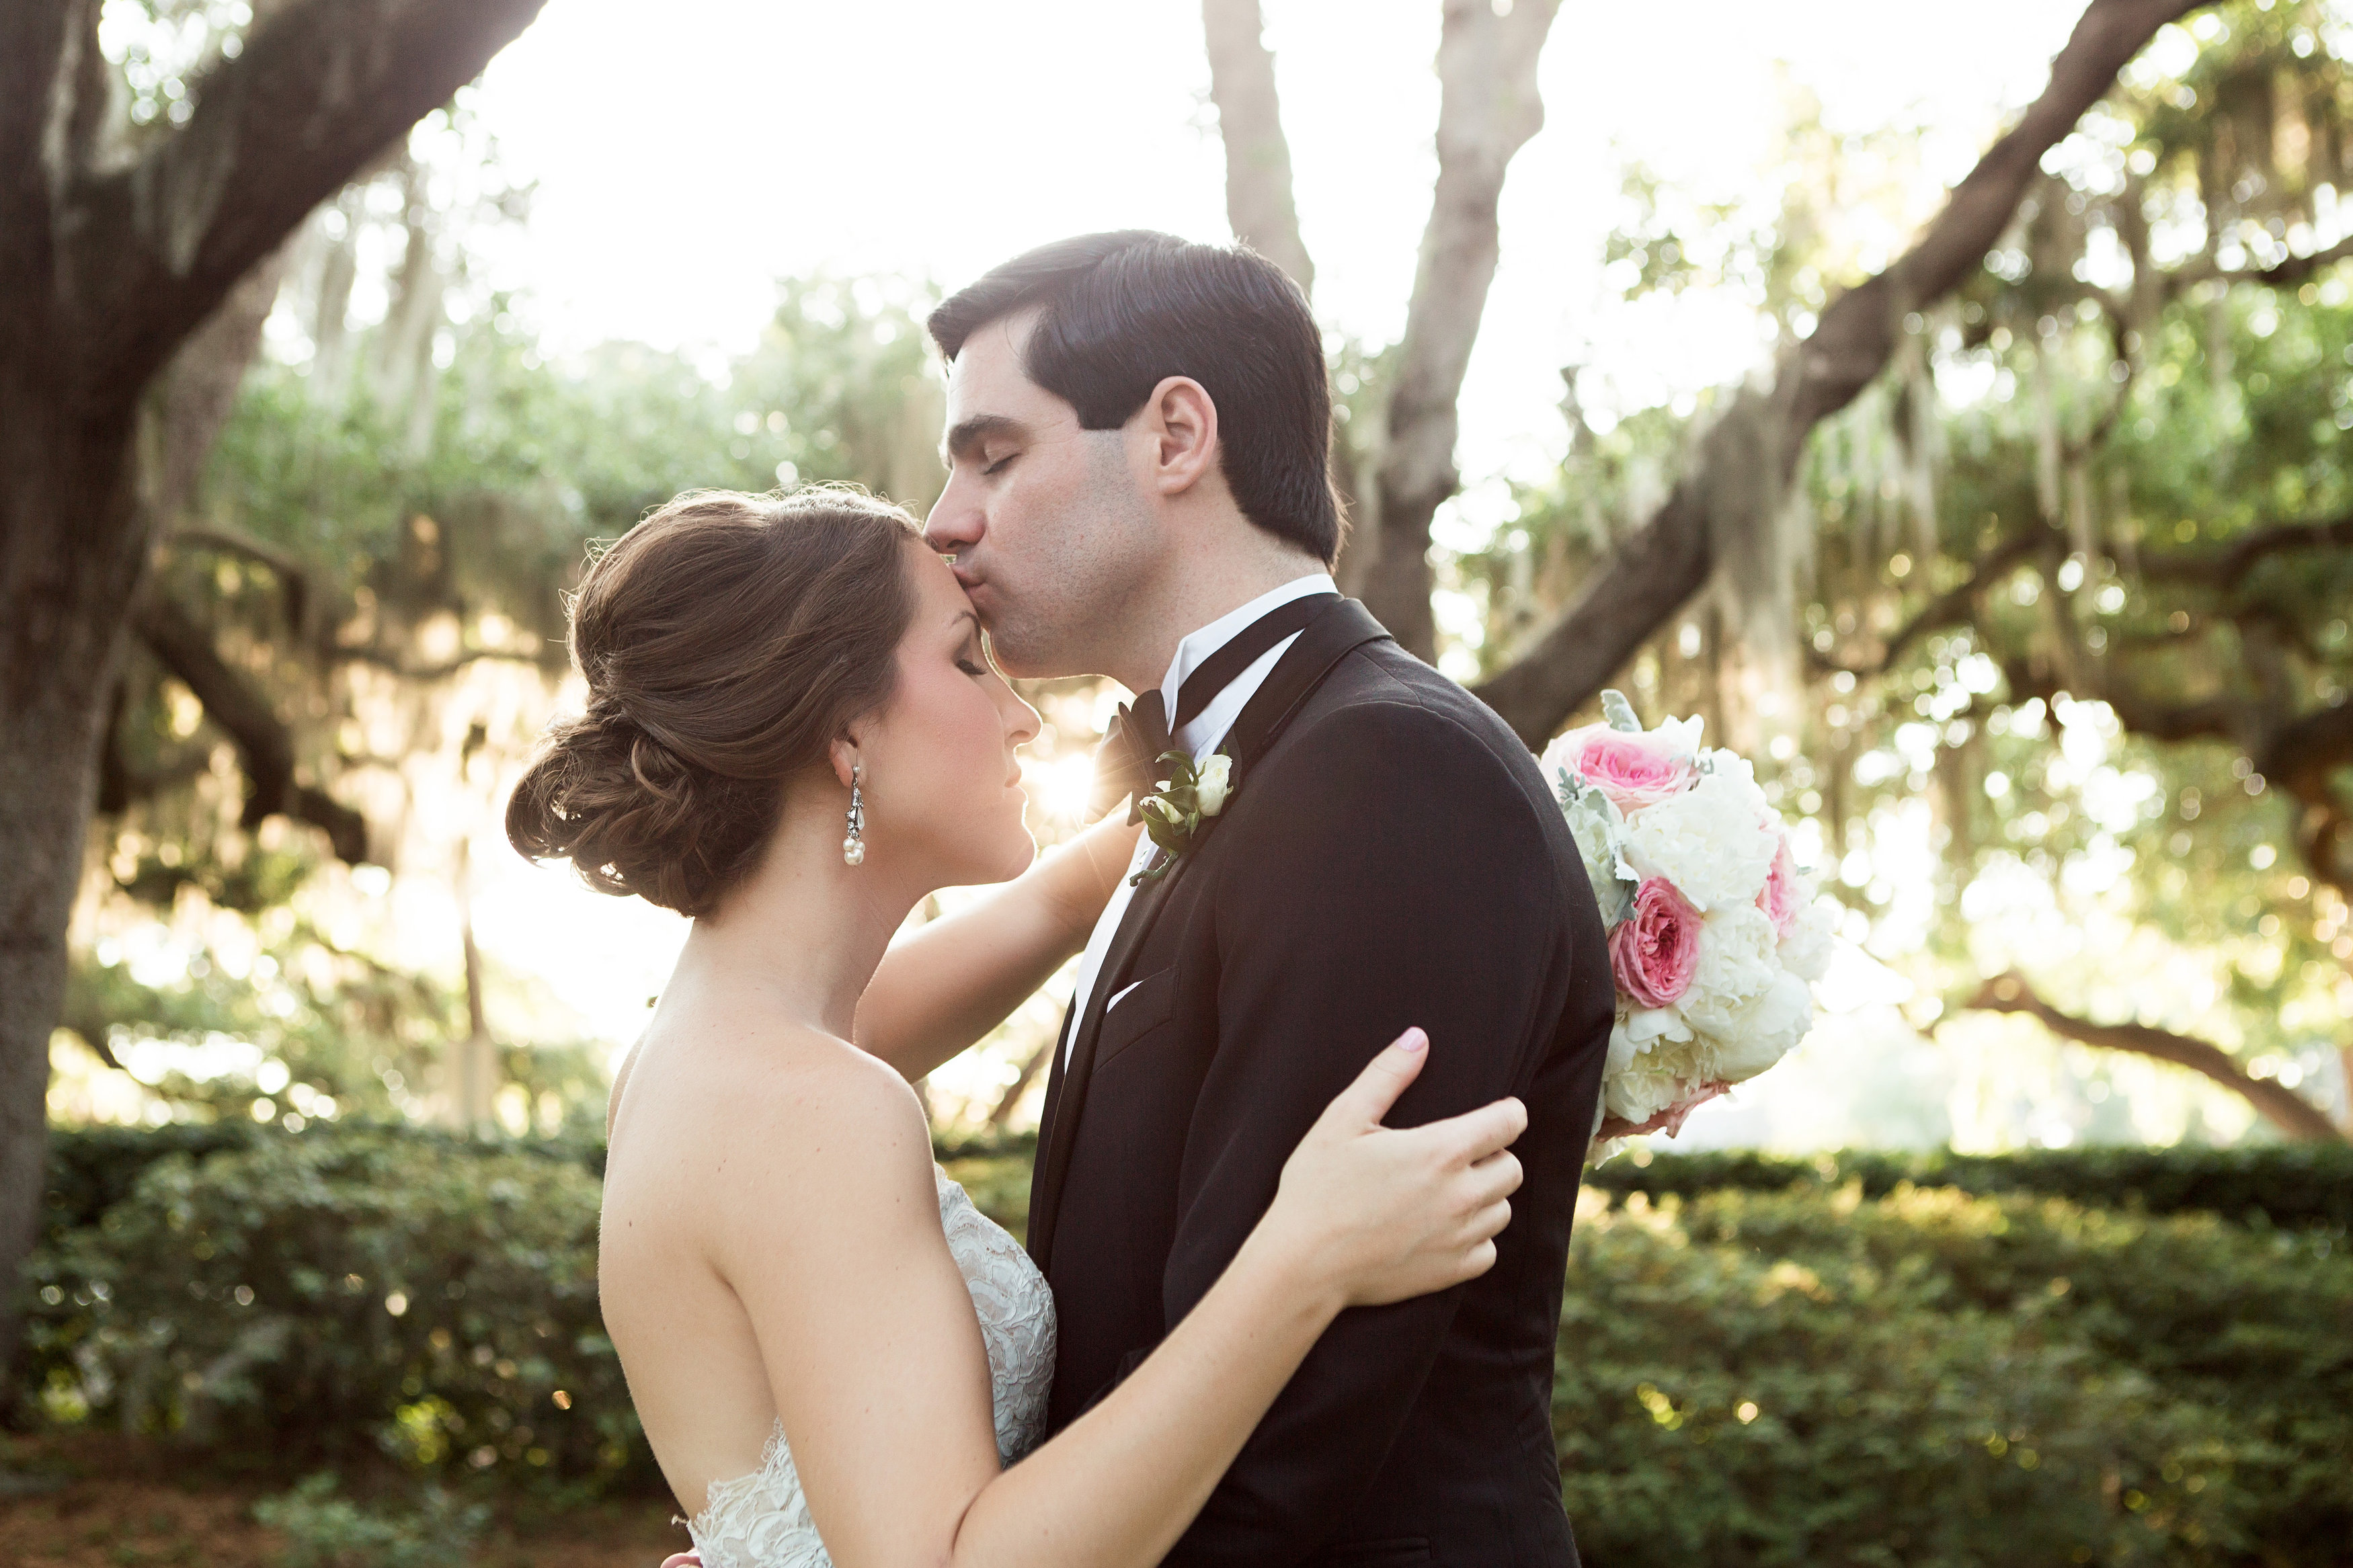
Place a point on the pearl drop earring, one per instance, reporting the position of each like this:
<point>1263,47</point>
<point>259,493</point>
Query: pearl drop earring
<point>853,848</point>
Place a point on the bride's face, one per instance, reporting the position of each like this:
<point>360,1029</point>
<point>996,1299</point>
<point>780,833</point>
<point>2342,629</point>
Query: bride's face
<point>942,791</point>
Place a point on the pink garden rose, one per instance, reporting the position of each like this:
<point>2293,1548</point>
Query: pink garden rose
<point>1783,901</point>
<point>1634,770</point>
<point>1654,950</point>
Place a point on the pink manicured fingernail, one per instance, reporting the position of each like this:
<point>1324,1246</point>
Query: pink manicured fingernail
<point>1412,1040</point>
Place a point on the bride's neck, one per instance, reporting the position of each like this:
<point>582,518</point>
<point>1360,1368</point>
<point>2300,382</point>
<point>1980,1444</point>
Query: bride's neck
<point>802,934</point>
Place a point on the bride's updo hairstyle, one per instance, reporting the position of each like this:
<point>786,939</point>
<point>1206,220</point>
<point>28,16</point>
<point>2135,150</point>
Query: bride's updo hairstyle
<point>727,640</point>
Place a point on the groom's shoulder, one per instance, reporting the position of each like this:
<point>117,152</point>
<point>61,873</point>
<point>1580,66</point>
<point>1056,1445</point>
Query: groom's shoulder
<point>1426,732</point>
<point>1380,684</point>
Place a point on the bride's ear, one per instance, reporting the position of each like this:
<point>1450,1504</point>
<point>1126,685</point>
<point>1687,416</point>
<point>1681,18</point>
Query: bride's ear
<point>843,754</point>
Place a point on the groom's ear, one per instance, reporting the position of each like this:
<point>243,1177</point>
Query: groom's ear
<point>1182,424</point>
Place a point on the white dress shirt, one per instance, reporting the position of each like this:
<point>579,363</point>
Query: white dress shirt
<point>1203,734</point>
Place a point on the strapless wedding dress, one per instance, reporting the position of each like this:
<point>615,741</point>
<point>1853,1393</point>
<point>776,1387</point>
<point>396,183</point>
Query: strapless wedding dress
<point>762,1519</point>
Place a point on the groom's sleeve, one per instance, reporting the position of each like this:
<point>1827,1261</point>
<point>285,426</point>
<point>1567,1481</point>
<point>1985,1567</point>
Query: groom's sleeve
<point>1391,874</point>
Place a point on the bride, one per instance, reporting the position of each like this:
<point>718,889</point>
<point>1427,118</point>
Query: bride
<point>794,734</point>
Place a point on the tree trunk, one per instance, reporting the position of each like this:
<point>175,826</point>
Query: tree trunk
<point>474,1060</point>
<point>109,259</point>
<point>1488,109</point>
<point>1258,205</point>
<point>1011,1098</point>
<point>68,488</point>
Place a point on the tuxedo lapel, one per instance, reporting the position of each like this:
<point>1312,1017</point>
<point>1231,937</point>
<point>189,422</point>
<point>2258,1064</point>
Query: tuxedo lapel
<point>1061,1130</point>
<point>1342,625</point>
<point>1342,628</point>
<point>1054,1076</point>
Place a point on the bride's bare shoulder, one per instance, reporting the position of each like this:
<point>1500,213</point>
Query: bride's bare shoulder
<point>822,1091</point>
<point>747,1108</point>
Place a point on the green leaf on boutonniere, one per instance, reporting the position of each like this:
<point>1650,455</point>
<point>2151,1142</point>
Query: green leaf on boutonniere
<point>1174,811</point>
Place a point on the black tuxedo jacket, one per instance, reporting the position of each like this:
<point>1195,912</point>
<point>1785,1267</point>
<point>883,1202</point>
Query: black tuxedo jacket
<point>1390,856</point>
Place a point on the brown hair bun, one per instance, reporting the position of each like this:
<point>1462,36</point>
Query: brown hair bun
<point>727,640</point>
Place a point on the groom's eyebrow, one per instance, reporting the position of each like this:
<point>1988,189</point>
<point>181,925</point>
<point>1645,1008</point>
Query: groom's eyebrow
<point>969,433</point>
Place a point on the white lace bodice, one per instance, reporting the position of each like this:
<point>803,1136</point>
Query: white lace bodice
<point>762,1519</point>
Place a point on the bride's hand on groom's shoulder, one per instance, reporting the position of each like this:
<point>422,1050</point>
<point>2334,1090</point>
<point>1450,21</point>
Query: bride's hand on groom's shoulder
<point>681,1560</point>
<point>1378,1214</point>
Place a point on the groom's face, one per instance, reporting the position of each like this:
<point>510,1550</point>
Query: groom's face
<point>1048,522</point>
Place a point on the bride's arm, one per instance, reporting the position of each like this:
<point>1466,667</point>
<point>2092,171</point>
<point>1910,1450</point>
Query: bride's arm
<point>949,982</point>
<point>876,1362</point>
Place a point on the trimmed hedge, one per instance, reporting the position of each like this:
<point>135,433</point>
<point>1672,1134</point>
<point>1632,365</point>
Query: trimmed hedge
<point>1788,1368</point>
<point>92,1169</point>
<point>315,1298</point>
<point>2283,1184</point>
<point>1934,1378</point>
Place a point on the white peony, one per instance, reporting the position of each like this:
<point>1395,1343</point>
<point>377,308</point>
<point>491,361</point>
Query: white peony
<point>1736,962</point>
<point>1806,951</point>
<point>1764,1030</point>
<point>1654,1059</point>
<point>1715,841</point>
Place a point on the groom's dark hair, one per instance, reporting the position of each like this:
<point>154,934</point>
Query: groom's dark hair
<point>1120,313</point>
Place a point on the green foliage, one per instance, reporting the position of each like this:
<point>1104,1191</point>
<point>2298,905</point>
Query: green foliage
<point>304,1297</point>
<point>91,1169</point>
<point>2071,577</point>
<point>1797,1362</point>
<point>375,554</point>
<point>989,1143</point>
<point>326,1530</point>
<point>998,1185</point>
<point>1938,1379</point>
<point>527,460</point>
<point>336,1021</point>
<point>2278,1185</point>
<point>1941,1377</point>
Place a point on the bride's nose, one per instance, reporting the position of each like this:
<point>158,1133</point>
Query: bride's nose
<point>1021,720</point>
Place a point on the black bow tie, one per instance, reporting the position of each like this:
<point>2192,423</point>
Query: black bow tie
<point>1127,764</point>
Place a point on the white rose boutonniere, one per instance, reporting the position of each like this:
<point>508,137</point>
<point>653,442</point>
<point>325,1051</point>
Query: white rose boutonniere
<point>1174,811</point>
<point>1213,784</point>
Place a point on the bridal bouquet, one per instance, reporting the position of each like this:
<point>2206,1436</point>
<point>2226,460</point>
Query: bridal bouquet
<point>1716,936</point>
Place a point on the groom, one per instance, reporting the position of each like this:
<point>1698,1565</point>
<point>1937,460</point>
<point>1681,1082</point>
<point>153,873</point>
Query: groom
<point>1138,433</point>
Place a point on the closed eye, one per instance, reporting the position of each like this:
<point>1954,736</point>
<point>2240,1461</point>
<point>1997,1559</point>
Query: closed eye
<point>998,466</point>
<point>972,666</point>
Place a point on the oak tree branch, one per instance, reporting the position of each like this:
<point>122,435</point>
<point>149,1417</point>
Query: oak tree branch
<point>2283,1107</point>
<point>1654,574</point>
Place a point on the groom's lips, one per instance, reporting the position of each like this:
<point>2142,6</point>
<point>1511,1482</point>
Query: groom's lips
<point>972,584</point>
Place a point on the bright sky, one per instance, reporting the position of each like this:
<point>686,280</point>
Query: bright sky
<point>683,166</point>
